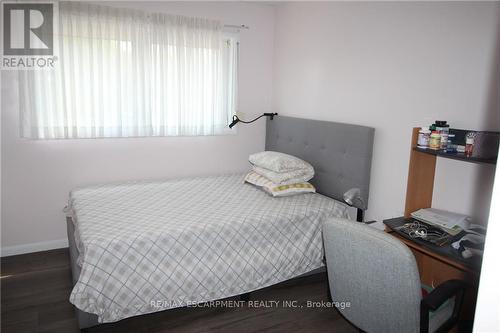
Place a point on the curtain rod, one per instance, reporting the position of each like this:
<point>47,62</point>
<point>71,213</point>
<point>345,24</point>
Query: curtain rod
<point>241,26</point>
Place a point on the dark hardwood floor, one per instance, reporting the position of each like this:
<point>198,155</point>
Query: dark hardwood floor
<point>35,289</point>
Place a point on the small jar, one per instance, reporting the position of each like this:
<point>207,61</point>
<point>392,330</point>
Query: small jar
<point>424,135</point>
<point>450,146</point>
<point>441,125</point>
<point>435,141</point>
<point>469,143</point>
<point>444,140</point>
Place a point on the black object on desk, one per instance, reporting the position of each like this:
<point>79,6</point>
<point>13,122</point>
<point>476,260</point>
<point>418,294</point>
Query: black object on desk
<point>446,251</point>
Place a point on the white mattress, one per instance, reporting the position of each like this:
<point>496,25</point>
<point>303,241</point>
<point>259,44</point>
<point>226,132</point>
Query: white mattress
<point>150,246</point>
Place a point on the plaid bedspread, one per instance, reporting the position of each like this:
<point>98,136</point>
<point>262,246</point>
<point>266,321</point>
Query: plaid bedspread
<point>150,246</point>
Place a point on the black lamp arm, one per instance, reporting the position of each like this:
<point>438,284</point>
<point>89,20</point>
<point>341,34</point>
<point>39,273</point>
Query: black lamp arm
<point>237,120</point>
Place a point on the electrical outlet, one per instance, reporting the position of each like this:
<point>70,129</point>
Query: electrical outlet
<point>240,115</point>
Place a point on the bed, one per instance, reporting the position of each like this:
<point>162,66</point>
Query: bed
<point>141,247</point>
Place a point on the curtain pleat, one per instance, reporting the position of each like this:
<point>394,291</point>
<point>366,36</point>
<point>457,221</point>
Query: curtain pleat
<point>124,73</point>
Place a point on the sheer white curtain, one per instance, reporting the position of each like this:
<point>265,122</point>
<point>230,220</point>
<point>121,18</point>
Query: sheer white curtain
<point>125,73</point>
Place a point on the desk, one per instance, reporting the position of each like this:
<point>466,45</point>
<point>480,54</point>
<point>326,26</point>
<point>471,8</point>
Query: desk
<point>436,268</point>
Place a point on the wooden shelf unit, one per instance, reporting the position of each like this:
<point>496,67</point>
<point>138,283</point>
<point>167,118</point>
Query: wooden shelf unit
<point>421,172</point>
<point>420,178</point>
<point>434,268</point>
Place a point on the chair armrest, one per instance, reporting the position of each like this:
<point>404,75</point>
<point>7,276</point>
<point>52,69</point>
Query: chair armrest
<point>436,298</point>
<point>442,293</point>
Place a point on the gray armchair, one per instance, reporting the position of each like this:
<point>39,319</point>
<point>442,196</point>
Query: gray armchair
<point>378,275</point>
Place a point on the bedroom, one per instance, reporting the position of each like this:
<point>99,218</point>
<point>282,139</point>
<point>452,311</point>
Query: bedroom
<point>386,66</point>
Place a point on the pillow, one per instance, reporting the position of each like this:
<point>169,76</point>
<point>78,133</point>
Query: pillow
<point>279,162</point>
<point>286,178</point>
<point>278,190</point>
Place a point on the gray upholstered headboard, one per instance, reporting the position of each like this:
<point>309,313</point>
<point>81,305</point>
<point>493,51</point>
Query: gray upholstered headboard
<point>341,154</point>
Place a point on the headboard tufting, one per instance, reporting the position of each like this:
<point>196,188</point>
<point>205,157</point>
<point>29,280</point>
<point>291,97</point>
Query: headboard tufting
<point>341,154</point>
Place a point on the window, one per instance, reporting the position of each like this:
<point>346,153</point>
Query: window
<point>125,73</point>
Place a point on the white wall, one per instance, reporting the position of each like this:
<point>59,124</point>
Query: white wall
<point>391,66</point>
<point>394,66</point>
<point>38,175</point>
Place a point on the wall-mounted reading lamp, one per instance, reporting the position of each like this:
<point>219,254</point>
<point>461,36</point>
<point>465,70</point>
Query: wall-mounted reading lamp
<point>238,120</point>
<point>353,198</point>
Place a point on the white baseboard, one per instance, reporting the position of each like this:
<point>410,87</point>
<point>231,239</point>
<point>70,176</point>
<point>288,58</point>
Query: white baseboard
<point>33,247</point>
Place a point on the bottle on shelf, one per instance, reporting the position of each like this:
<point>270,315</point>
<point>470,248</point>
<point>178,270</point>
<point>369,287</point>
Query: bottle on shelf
<point>451,147</point>
<point>469,143</point>
<point>424,135</point>
<point>435,141</point>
